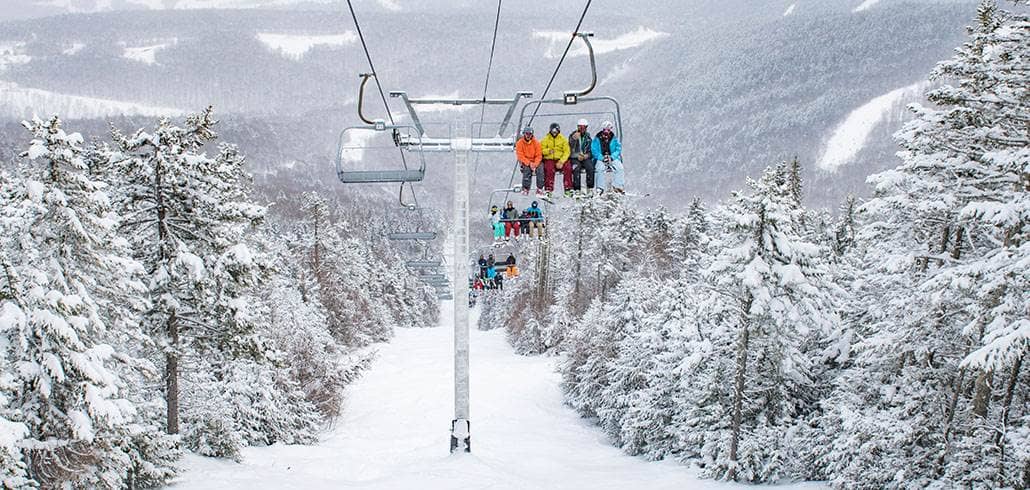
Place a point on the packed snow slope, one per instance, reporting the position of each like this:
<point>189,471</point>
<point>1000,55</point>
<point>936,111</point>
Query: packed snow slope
<point>394,431</point>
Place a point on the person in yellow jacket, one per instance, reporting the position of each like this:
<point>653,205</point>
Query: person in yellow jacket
<point>555,151</point>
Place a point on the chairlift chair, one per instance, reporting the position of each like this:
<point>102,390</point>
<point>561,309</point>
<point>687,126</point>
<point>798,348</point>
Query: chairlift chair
<point>576,98</point>
<point>354,144</point>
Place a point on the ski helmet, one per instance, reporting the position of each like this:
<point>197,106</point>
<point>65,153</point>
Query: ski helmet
<point>533,204</point>
<point>582,122</point>
<point>527,130</point>
<point>608,125</point>
<point>554,126</point>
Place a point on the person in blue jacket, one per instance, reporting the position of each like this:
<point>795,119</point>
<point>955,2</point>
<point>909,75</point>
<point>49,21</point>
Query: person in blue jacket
<point>536,219</point>
<point>607,150</point>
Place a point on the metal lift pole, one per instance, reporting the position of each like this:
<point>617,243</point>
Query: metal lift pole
<point>461,145</point>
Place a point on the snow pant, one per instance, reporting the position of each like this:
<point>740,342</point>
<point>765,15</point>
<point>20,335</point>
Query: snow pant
<point>618,179</point>
<point>512,271</point>
<point>551,168</point>
<point>509,227</point>
<point>585,166</point>
<point>498,230</point>
<point>482,272</point>
<point>548,174</point>
<point>527,176</point>
<point>536,228</point>
<point>566,171</point>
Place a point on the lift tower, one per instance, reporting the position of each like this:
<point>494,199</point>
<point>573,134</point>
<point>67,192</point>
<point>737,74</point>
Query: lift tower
<point>460,144</point>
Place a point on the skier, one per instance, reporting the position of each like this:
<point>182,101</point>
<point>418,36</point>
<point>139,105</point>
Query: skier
<point>607,149</point>
<point>582,158</point>
<point>536,219</point>
<point>510,217</point>
<point>490,275</point>
<point>527,150</point>
<point>524,222</point>
<point>555,150</point>
<point>495,220</point>
<point>482,266</point>
<point>511,271</point>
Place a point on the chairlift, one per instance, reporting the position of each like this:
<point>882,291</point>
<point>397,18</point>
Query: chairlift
<point>354,144</point>
<point>576,98</point>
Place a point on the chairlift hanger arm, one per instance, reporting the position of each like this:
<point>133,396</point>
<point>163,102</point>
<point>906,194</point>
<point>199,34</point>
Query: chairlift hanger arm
<point>585,36</point>
<point>361,97</point>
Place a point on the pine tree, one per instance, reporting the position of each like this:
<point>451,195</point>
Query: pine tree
<point>186,213</point>
<point>946,257</point>
<point>69,293</point>
<point>772,282</point>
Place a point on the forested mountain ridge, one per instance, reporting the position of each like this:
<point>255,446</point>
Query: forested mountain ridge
<point>718,89</point>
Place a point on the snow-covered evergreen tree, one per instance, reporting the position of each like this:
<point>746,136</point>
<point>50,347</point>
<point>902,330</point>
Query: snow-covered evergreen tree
<point>187,214</point>
<point>69,291</point>
<point>947,284</point>
<point>771,297</point>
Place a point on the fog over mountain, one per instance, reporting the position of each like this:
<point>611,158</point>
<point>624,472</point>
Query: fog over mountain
<point>711,91</point>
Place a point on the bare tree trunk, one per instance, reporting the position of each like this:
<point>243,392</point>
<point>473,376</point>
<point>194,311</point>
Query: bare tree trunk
<point>982,396</point>
<point>956,252</point>
<point>579,256</point>
<point>738,391</point>
<point>1010,391</point>
<point>172,376</point>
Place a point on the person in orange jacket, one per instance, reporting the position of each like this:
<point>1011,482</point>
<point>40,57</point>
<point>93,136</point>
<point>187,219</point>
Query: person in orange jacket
<point>555,150</point>
<point>527,150</point>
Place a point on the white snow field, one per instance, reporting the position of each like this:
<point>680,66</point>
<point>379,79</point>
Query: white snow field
<point>295,46</point>
<point>394,432</point>
<point>22,103</point>
<point>850,136</point>
<point>633,39</point>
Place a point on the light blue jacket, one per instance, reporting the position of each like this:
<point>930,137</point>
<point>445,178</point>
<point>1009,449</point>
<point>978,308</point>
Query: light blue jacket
<point>616,148</point>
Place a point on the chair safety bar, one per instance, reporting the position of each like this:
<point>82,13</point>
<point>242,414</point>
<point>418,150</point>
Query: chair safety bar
<point>423,235</point>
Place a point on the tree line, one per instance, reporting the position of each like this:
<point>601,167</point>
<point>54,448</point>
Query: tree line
<point>148,304</point>
<point>763,341</point>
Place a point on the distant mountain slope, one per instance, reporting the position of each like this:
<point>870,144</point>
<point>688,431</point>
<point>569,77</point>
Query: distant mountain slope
<point>711,91</point>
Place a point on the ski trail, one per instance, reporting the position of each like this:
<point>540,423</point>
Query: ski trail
<point>395,431</point>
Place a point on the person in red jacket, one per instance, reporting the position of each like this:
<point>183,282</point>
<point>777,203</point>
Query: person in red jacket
<point>527,150</point>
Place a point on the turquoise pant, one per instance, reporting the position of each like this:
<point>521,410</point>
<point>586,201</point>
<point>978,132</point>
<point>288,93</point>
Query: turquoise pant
<point>498,230</point>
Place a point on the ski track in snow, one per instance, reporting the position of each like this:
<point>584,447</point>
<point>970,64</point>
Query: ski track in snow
<point>865,5</point>
<point>850,136</point>
<point>22,103</point>
<point>628,40</point>
<point>394,431</point>
<point>790,10</point>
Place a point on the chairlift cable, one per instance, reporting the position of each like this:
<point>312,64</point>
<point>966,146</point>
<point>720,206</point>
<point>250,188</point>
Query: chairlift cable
<point>486,85</point>
<point>572,38</point>
<point>562,60</point>
<point>375,74</point>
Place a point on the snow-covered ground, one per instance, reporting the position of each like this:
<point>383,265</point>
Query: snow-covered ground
<point>295,46</point>
<point>394,431</point>
<point>865,5</point>
<point>629,40</point>
<point>145,54</point>
<point>23,103</point>
<point>850,136</point>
